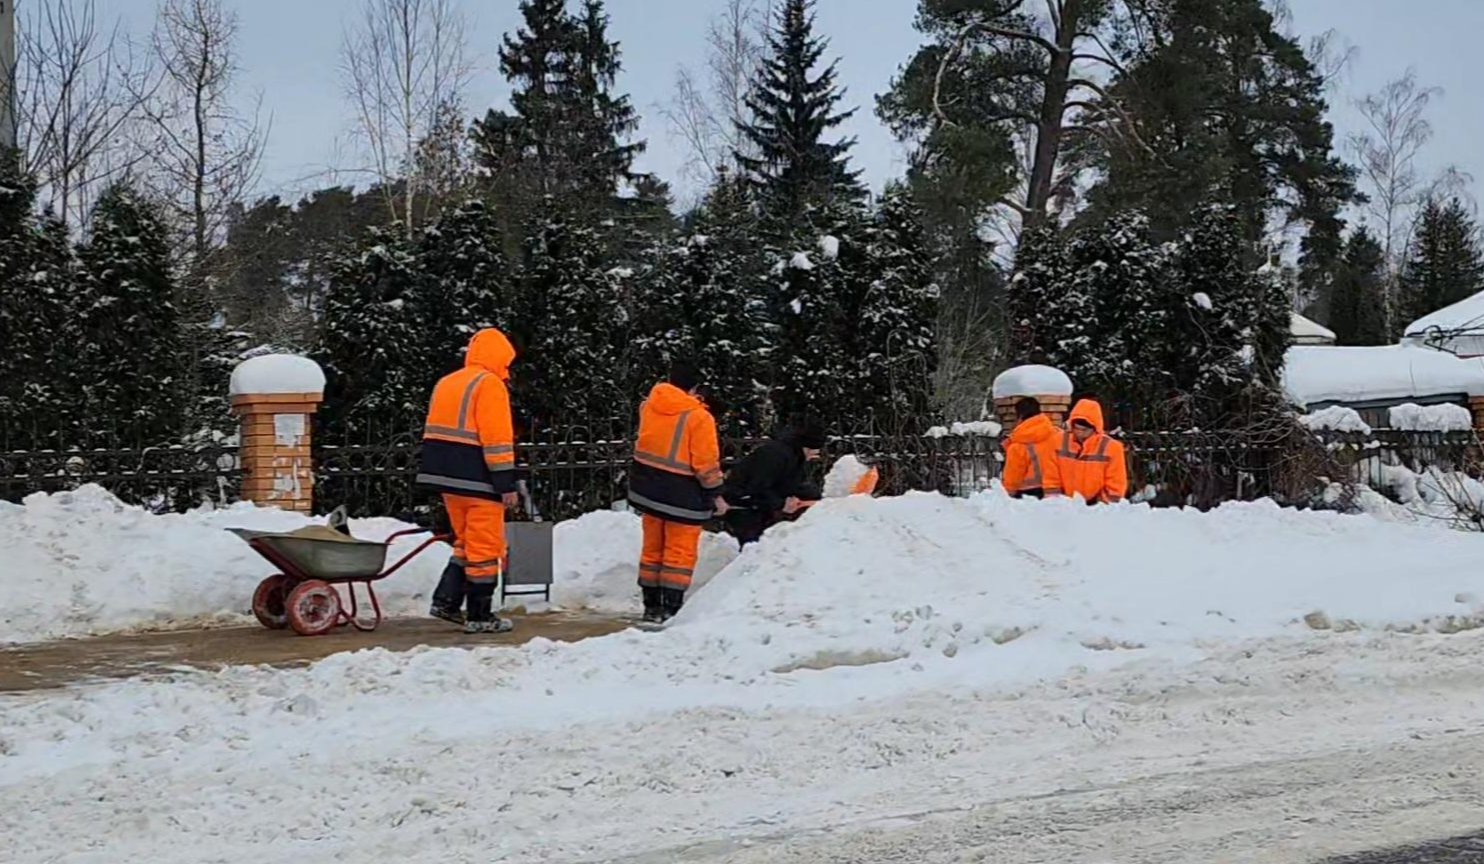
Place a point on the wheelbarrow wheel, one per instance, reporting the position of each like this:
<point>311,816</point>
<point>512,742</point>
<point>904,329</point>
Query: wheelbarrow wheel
<point>313,608</point>
<point>270,601</point>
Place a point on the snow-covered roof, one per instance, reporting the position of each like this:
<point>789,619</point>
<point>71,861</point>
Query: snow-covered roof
<point>1466,315</point>
<point>1306,331</point>
<point>1321,373</point>
<point>1032,381</point>
<point>277,373</point>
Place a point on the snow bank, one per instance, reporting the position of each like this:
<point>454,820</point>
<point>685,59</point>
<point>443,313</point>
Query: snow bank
<point>1431,418</point>
<point>277,373</point>
<point>1032,381</point>
<point>978,428</point>
<point>595,562</point>
<point>843,475</point>
<point>83,562</point>
<point>1336,418</point>
<point>1314,374</point>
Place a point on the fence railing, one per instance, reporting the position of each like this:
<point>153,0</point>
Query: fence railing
<point>571,472</point>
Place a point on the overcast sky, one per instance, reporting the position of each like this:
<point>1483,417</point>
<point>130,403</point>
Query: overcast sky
<point>289,50</point>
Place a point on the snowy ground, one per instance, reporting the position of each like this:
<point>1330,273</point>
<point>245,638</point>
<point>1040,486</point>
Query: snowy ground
<point>887,680</point>
<point>65,576</point>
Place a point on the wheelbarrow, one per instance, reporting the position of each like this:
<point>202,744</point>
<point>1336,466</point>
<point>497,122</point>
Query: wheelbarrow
<point>311,562</point>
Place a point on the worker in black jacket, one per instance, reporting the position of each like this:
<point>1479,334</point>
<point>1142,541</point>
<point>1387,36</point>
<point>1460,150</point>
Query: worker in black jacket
<point>769,485</point>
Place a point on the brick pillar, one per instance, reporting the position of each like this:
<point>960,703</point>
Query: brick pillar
<point>1053,406</point>
<point>1476,405</point>
<point>274,430</point>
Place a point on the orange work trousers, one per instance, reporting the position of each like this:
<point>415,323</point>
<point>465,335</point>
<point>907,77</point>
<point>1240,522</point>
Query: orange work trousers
<point>670,551</point>
<point>478,535</point>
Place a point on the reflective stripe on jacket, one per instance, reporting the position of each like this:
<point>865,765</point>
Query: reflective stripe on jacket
<point>1030,458</point>
<point>469,440</point>
<point>676,472</point>
<point>1096,468</point>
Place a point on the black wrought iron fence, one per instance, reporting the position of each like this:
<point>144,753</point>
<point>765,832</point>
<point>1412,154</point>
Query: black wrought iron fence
<point>574,470</point>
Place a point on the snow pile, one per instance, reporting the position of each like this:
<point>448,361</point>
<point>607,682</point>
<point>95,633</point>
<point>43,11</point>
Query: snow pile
<point>1309,332</point>
<point>82,562</point>
<point>977,429</point>
<point>1314,374</point>
<point>595,562</point>
<point>1433,497</point>
<point>1336,418</point>
<point>1431,418</point>
<point>1032,381</point>
<point>844,475</point>
<point>277,373</point>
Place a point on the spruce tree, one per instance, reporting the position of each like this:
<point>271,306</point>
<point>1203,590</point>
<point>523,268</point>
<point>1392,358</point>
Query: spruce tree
<point>37,325</point>
<point>130,355</point>
<point>896,337</point>
<point>464,282</point>
<point>572,325</point>
<point>814,368</point>
<point>373,344</point>
<point>792,109</point>
<point>1444,264</point>
<point>1043,272</point>
<point>1355,304</point>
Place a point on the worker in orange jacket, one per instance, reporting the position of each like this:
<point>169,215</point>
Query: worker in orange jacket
<point>1030,454</point>
<point>468,455</point>
<point>1091,462</point>
<point>675,482</point>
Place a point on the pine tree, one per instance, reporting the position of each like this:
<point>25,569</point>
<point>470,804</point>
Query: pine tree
<point>130,356</point>
<point>896,338</point>
<point>572,324</point>
<point>792,109</point>
<point>1444,264</point>
<point>1355,304</point>
<point>373,346</point>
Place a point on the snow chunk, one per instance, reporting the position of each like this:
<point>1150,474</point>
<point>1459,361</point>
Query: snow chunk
<point>1203,300</point>
<point>1315,373</point>
<point>277,373</point>
<point>1032,381</point>
<point>844,475</point>
<point>1336,418</point>
<point>979,428</point>
<point>1431,418</point>
<point>829,247</point>
<point>801,262</point>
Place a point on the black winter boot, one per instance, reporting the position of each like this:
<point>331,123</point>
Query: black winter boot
<point>654,606</point>
<point>448,597</point>
<point>481,596</point>
<point>671,599</point>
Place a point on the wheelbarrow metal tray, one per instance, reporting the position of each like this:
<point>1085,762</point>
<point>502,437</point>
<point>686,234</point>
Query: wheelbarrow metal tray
<point>322,557</point>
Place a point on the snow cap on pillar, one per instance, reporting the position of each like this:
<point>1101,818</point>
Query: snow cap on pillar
<point>274,396</point>
<point>1047,384</point>
<point>277,374</point>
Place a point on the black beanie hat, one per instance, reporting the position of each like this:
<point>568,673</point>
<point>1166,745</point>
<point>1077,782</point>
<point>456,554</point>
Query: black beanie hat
<point>683,374</point>
<point>809,432</point>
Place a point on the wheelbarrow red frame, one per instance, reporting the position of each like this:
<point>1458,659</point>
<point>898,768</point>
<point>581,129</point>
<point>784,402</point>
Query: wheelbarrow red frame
<point>297,591</point>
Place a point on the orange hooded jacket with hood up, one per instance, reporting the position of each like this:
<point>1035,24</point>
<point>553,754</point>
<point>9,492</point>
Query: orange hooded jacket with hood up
<point>676,473</point>
<point>1095,468</point>
<point>469,439</point>
<point>1030,458</point>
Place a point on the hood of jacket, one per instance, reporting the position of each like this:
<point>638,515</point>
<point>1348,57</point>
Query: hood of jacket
<point>1088,411</point>
<point>1037,430</point>
<point>668,400</point>
<point>489,349</point>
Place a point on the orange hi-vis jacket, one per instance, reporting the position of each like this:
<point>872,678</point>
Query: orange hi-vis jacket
<point>469,440</point>
<point>676,473</point>
<point>1030,458</point>
<point>1095,468</point>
